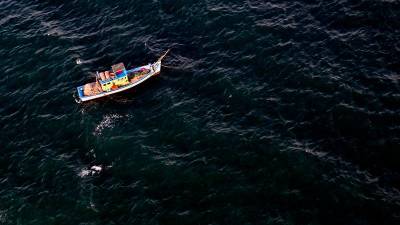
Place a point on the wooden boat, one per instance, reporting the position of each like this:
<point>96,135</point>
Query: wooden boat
<point>117,80</point>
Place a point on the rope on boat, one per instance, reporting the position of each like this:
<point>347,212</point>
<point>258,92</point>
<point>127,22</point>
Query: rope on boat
<point>170,67</point>
<point>161,57</point>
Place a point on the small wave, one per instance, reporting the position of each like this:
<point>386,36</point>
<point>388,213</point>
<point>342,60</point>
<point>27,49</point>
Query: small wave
<point>3,216</point>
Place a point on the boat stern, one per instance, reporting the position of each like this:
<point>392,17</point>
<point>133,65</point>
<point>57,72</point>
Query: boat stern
<point>80,91</point>
<point>81,96</point>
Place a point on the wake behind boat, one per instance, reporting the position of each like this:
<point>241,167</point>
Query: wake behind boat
<point>117,80</point>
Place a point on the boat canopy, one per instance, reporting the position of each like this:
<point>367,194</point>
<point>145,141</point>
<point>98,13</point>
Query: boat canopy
<point>118,68</point>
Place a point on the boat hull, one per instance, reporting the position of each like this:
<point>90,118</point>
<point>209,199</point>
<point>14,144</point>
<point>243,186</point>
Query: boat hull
<point>154,68</point>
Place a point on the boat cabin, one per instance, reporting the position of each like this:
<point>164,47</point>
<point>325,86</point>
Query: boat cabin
<point>112,80</point>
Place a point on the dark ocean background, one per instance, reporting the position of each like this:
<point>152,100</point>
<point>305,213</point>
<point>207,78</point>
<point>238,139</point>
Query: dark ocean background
<point>267,112</point>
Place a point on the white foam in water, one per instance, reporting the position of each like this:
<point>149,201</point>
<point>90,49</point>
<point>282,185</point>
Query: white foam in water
<point>107,122</point>
<point>93,153</point>
<point>92,171</point>
<point>84,173</point>
<point>93,206</point>
<point>96,168</point>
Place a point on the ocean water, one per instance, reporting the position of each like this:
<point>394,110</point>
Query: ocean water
<point>266,112</point>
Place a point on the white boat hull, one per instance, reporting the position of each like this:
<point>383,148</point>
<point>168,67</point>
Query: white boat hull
<point>154,68</point>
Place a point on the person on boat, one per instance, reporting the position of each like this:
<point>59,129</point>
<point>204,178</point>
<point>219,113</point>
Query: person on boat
<point>107,74</point>
<point>102,77</point>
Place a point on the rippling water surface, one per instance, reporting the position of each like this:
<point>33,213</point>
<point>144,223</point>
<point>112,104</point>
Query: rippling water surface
<point>267,112</point>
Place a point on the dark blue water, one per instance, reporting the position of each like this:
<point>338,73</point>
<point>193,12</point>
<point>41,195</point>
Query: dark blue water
<point>267,112</point>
